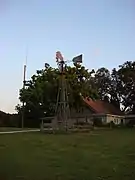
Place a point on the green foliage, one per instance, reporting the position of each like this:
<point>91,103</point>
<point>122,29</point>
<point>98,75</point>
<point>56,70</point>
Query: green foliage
<point>41,93</point>
<point>103,81</point>
<point>126,74</point>
<point>116,87</point>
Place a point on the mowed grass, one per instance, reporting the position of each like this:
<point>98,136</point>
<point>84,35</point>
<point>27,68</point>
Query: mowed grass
<point>101,154</point>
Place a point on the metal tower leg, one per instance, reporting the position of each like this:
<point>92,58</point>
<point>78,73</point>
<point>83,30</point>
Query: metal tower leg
<point>62,107</point>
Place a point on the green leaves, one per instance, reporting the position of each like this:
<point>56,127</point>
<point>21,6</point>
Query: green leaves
<point>40,95</point>
<point>116,87</point>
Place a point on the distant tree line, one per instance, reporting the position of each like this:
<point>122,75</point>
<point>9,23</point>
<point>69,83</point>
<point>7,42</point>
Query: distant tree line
<point>116,87</point>
<point>9,120</point>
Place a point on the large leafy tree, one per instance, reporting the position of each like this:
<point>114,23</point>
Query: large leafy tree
<point>80,81</point>
<point>39,96</point>
<point>41,93</point>
<point>119,86</point>
<point>126,86</point>
<point>102,83</point>
<point>116,87</point>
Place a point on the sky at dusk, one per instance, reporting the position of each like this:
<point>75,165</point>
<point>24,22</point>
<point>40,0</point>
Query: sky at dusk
<point>102,30</point>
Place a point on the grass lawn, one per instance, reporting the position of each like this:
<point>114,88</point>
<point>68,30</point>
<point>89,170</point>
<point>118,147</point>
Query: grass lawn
<point>100,155</point>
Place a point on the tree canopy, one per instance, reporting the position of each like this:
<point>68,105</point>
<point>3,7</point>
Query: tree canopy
<point>116,87</point>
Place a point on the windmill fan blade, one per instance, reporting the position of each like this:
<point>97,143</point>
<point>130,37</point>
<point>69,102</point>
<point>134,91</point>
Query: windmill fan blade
<point>59,56</point>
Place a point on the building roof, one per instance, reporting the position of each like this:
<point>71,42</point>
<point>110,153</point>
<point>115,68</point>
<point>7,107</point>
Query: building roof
<point>102,107</point>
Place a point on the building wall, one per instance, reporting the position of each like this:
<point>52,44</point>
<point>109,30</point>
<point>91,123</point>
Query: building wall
<point>83,112</point>
<point>82,116</point>
<point>129,118</point>
<point>115,118</point>
<point>87,115</point>
<point>108,118</point>
<point>101,117</point>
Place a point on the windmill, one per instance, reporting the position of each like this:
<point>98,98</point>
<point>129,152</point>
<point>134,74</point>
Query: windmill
<point>62,106</point>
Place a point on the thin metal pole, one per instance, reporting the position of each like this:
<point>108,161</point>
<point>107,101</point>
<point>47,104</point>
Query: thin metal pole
<point>63,98</point>
<point>24,81</point>
<point>23,115</point>
<point>24,78</point>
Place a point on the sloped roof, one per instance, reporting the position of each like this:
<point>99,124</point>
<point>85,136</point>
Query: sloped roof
<point>102,107</point>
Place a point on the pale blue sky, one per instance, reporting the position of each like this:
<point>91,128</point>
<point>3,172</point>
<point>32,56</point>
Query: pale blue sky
<point>103,30</point>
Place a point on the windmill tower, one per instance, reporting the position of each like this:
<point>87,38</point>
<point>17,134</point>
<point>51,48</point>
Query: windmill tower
<point>62,110</point>
<point>62,106</point>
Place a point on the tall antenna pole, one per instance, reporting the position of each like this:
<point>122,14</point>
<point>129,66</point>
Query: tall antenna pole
<point>24,82</point>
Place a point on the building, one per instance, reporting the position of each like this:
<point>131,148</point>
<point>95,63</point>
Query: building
<point>98,110</point>
<point>130,119</point>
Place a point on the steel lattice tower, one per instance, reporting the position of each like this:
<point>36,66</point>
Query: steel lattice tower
<point>63,120</point>
<point>62,106</point>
